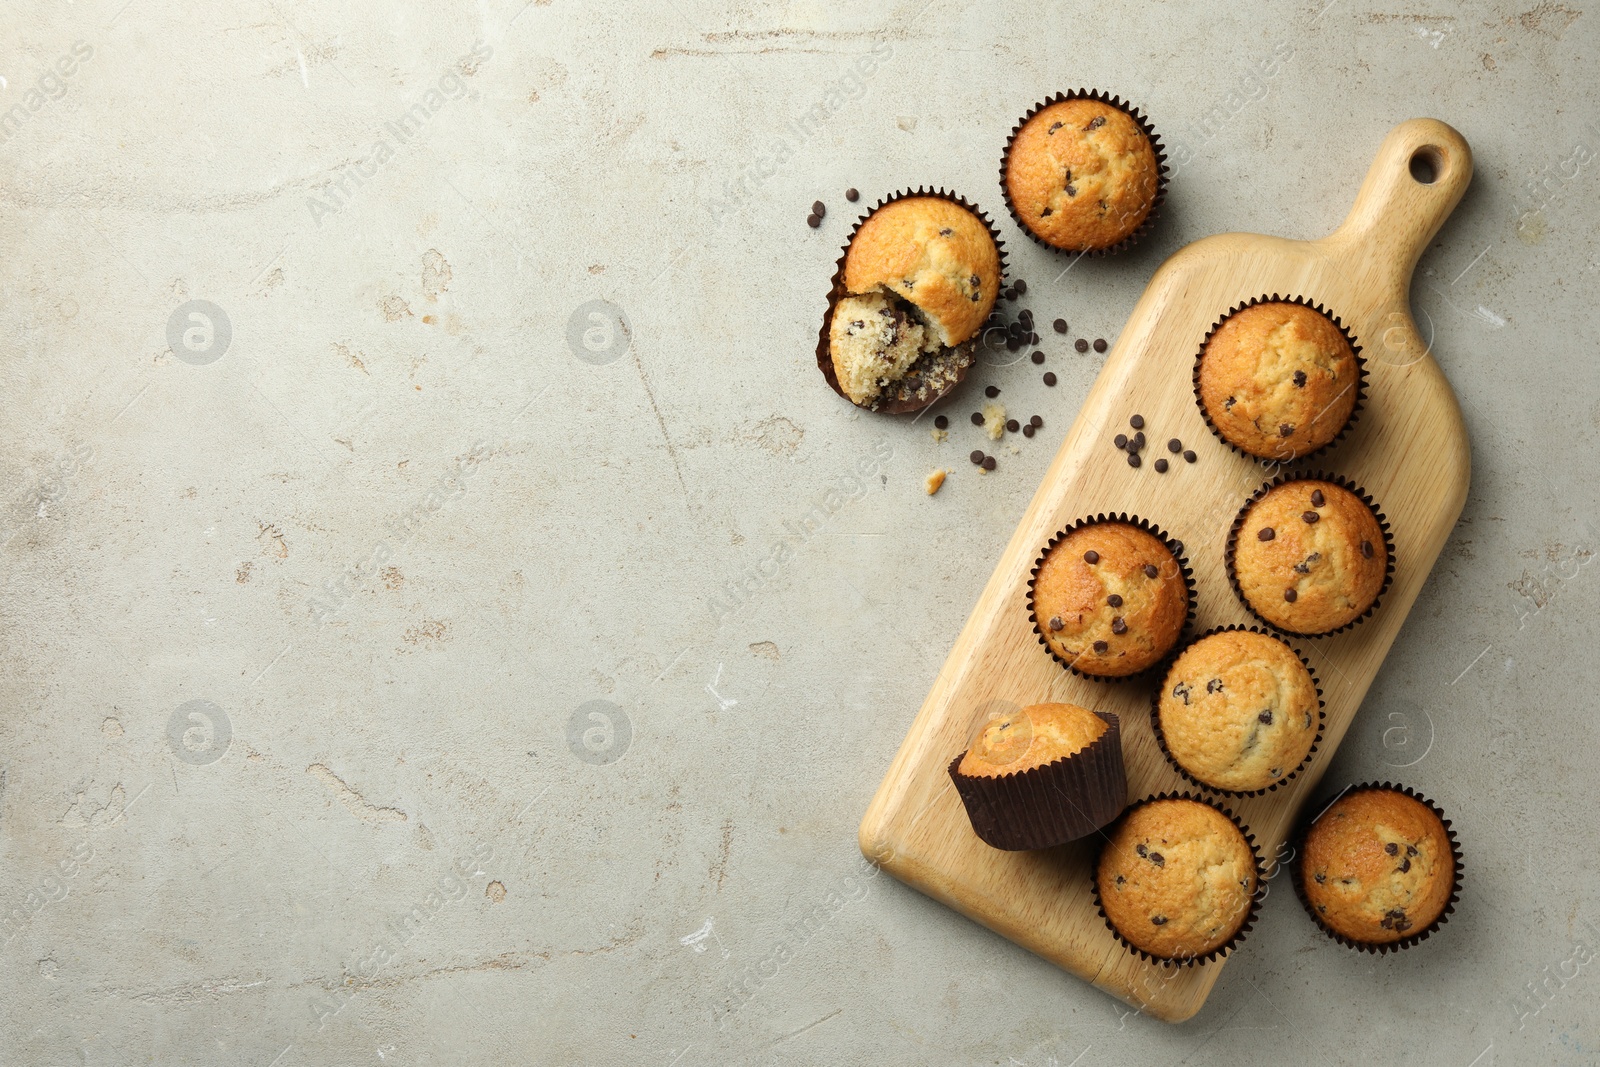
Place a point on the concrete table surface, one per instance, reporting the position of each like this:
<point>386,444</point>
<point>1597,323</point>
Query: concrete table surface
<point>447,618</point>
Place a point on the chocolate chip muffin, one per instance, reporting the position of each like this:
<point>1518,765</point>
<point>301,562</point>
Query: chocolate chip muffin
<point>1309,556</point>
<point>1032,737</point>
<point>1278,380</point>
<point>920,277</point>
<point>1081,174</point>
<point>1238,711</point>
<point>1378,866</point>
<point>1109,598</point>
<point>1177,879</point>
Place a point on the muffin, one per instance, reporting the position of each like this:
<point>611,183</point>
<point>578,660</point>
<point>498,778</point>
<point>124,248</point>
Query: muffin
<point>1081,174</point>
<point>1177,879</point>
<point>1042,776</point>
<point>919,279</point>
<point>1378,867</point>
<point>1309,556</point>
<point>1238,711</point>
<point>1109,598</point>
<point>1278,380</point>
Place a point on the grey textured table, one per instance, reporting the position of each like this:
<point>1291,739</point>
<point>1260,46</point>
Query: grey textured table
<point>447,619</point>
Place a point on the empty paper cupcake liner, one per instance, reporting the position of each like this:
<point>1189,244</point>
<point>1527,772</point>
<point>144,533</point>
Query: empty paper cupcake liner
<point>1155,145</point>
<point>1361,377</point>
<point>1297,875</point>
<point>837,291</point>
<point>1173,545</point>
<point>1161,737</point>
<point>1238,935</point>
<point>1321,476</point>
<point>1061,801</point>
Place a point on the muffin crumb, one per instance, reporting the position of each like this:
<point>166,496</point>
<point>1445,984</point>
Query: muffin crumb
<point>994,420</point>
<point>935,480</point>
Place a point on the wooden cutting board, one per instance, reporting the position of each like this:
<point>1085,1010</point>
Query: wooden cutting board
<point>1408,449</point>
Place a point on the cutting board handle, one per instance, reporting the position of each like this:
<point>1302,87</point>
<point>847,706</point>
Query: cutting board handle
<point>1416,180</point>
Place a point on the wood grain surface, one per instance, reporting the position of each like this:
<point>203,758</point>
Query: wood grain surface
<point>1408,449</point>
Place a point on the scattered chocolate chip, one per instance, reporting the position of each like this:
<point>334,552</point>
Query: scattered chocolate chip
<point>1161,466</point>
<point>988,463</point>
<point>1300,379</point>
<point>1011,294</point>
<point>942,421</point>
<point>1158,920</point>
<point>1022,286</point>
<point>1118,626</point>
<point>1392,849</point>
<point>1099,344</point>
<point>851,195</point>
<point>1137,422</point>
<point>1036,422</point>
<point>1366,549</point>
<point>1033,338</point>
<point>1049,377</point>
<point>1091,557</point>
<point>976,457</point>
<point>1061,325</point>
<point>1265,718</point>
<point>819,209</point>
<point>1081,345</point>
<point>1174,445</point>
<point>1214,686</point>
<point>1012,425</point>
<point>1114,600</point>
<point>1310,516</point>
<point>1189,456</point>
<point>1133,459</point>
<point>1158,859</point>
<point>1138,440</point>
<point>977,418</point>
<point>1025,316</point>
<point>1150,570</point>
<point>1013,344</point>
<point>1290,595</point>
<point>1317,499</point>
<point>1121,440</point>
<point>813,221</point>
<point>1056,623</point>
<point>1101,646</point>
<point>1027,431</point>
<point>992,391</point>
<point>1038,358</point>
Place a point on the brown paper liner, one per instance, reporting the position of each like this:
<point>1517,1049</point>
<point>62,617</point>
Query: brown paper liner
<point>1238,935</point>
<point>1161,737</point>
<point>837,291</point>
<point>1155,144</point>
<point>1173,545</point>
<point>1361,378</point>
<point>1050,805</point>
<point>1322,476</point>
<point>1297,876</point>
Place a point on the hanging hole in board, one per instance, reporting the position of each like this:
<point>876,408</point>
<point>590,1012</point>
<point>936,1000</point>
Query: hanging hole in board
<point>1426,165</point>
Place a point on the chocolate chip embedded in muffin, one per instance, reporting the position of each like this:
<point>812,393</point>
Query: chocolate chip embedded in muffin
<point>1278,380</point>
<point>1075,584</point>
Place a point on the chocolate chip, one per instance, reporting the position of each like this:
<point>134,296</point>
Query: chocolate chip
<point>1012,425</point>
<point>1366,549</point>
<point>1161,466</point>
<point>1227,405</point>
<point>1028,430</point>
<point>1137,422</point>
<point>1284,429</point>
<point>1036,422</point>
<point>976,457</point>
<point>946,232</point>
<point>1405,865</point>
<point>942,421</point>
<point>977,418</point>
<point>1033,338</point>
<point>813,221</point>
<point>1300,379</point>
<point>1310,516</point>
<point>1266,533</point>
<point>1022,287</point>
<point>1150,570</point>
<point>1118,626</point>
<point>1265,718</point>
<point>1094,124</point>
<point>1182,691</point>
<point>1056,623</point>
<point>1189,456</point>
<point>988,463</point>
<point>1014,344</point>
<point>992,391</point>
<point>1133,459</point>
<point>1099,344</point>
<point>1158,859</point>
<point>1138,440</point>
<point>975,282</point>
<point>1101,646</point>
<point>1037,357</point>
<point>1054,126</point>
<point>1411,850</point>
<point>1290,595</point>
<point>1011,294</point>
<point>1049,377</point>
<point>1392,849</point>
<point>1158,920</point>
<point>1061,325</point>
<point>1081,345</point>
<point>819,209</point>
<point>1174,445</point>
<point>1317,499</point>
<point>1120,879</point>
<point>1320,877</point>
<point>1121,440</point>
<point>1091,557</point>
<point>1141,850</point>
<point>1214,686</point>
<point>1114,600</point>
<point>851,195</point>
